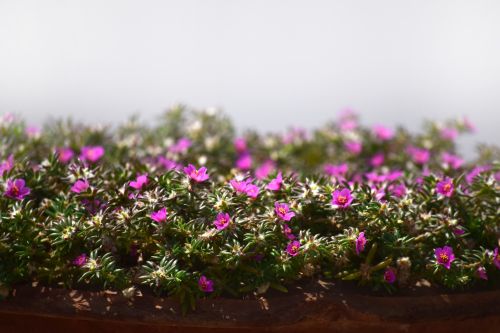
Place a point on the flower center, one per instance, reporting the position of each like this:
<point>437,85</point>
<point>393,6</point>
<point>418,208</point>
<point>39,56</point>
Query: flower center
<point>282,210</point>
<point>14,190</point>
<point>295,248</point>
<point>342,199</point>
<point>447,187</point>
<point>444,257</point>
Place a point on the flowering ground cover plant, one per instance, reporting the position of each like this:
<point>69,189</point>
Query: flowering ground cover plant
<point>188,209</point>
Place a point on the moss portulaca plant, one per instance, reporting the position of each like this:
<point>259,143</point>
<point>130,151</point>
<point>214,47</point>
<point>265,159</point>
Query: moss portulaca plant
<point>188,209</point>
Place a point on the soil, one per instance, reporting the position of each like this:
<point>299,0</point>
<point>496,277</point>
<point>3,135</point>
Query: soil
<point>317,305</point>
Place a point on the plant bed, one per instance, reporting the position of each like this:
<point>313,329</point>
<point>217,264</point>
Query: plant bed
<point>319,305</point>
<point>186,211</point>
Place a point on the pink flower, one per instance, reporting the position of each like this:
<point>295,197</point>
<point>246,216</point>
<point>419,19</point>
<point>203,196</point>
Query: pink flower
<point>293,248</point>
<point>468,125</point>
<point>252,191</point>
<point>240,145</point>
<point>196,175</point>
<point>383,133</point>
<point>282,210</point>
<point>496,258</point>
<point>342,198</point>
<point>444,256</point>
<point>65,154</point>
<point>481,273</point>
<point>390,275</point>
<point>33,131</point>
<point>140,181</point>
<point>398,190</point>
<point>449,133</point>
<point>80,186</point>
<point>348,125</point>
<point>377,160</point>
<point>159,215</point>
<point>452,161</point>
<point>275,184</point>
<point>475,172</point>
<point>338,170</point>
<point>240,186</point>
<point>265,169</point>
<point>205,284</point>
<point>181,146</point>
<point>445,187</point>
<point>360,243</point>
<point>288,232</point>
<point>7,165</point>
<point>16,189</point>
<point>244,162</point>
<point>167,163</point>
<point>91,153</point>
<point>353,147</point>
<point>419,155</point>
<point>80,260</point>
<point>222,221</point>
<point>393,175</point>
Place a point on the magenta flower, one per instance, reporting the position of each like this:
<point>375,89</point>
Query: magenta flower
<point>65,154</point>
<point>275,184</point>
<point>33,131</point>
<point>393,175</point>
<point>468,125</point>
<point>80,260</point>
<point>451,161</point>
<point>265,169</point>
<point>293,248</point>
<point>475,172</point>
<point>348,125</point>
<point>390,275</point>
<point>198,176</point>
<point>240,145</point>
<point>398,190</point>
<point>140,181</point>
<point>222,221</point>
<point>377,160</point>
<point>353,147</point>
<point>288,232</point>
<point>342,198</point>
<point>159,216</point>
<point>444,256</point>
<point>481,273</point>
<point>338,170</point>
<point>7,165</point>
<point>17,189</point>
<point>206,285</point>
<point>240,186</point>
<point>80,186</point>
<point>360,243</point>
<point>181,146</point>
<point>496,258</point>
<point>445,187</point>
<point>282,210</point>
<point>167,163</point>
<point>419,155</point>
<point>91,153</point>
<point>449,133</point>
<point>244,162</point>
<point>383,133</point>
<point>252,191</point>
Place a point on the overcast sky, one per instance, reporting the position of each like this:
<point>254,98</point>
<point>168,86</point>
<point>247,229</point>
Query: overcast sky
<point>269,64</point>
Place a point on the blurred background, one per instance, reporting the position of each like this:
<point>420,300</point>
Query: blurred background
<point>268,64</point>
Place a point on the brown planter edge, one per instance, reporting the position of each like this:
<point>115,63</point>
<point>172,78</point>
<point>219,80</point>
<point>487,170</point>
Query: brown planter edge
<point>327,307</point>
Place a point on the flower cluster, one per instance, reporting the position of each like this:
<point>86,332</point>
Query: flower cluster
<point>188,209</point>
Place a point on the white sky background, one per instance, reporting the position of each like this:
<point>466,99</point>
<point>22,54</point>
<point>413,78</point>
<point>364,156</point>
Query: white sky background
<point>269,64</point>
